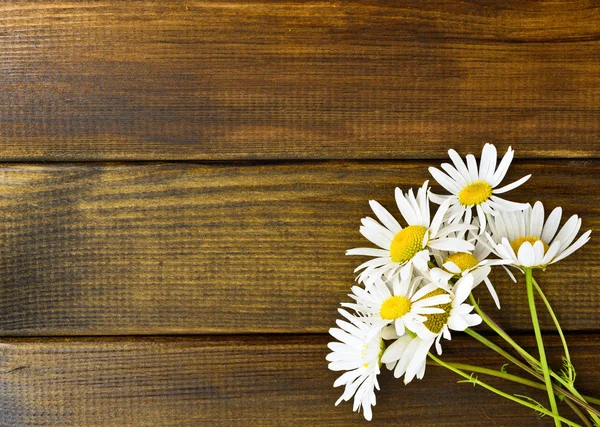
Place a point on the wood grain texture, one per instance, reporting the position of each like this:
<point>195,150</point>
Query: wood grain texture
<point>242,381</point>
<point>96,249</point>
<point>166,80</point>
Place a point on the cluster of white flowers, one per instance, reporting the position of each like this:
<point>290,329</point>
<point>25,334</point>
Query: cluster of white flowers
<point>419,276</point>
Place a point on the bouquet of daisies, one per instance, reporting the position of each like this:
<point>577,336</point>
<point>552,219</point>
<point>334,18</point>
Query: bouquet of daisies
<point>416,286</point>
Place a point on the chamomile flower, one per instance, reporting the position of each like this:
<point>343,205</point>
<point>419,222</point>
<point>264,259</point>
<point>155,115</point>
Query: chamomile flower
<point>525,240</point>
<point>403,306</point>
<point>360,356</point>
<point>412,355</point>
<point>477,263</point>
<point>471,186</point>
<point>401,248</point>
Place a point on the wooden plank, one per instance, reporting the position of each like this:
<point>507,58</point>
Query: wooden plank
<point>165,80</point>
<point>240,381</point>
<point>180,248</point>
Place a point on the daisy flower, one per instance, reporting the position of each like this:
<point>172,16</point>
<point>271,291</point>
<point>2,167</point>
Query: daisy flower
<point>471,186</point>
<point>411,355</point>
<point>360,356</point>
<point>401,248</point>
<point>459,264</point>
<point>403,306</point>
<point>523,239</point>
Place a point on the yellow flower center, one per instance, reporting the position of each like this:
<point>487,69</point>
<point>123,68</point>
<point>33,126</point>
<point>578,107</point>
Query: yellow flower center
<point>516,244</point>
<point>394,307</point>
<point>475,193</point>
<point>435,322</point>
<point>462,260</point>
<point>407,242</point>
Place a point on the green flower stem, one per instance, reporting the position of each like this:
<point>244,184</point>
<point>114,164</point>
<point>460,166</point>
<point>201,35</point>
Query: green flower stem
<point>494,373</point>
<point>557,389</point>
<point>527,356</point>
<point>496,328</point>
<point>594,414</point>
<point>513,378</point>
<point>532,360</point>
<point>570,383</point>
<point>540,344</point>
<point>502,352</point>
<point>555,320</point>
<point>537,408</point>
<point>580,414</point>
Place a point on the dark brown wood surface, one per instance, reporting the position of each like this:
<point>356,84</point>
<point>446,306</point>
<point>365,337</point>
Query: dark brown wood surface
<point>241,381</point>
<point>182,248</point>
<point>168,80</point>
<point>137,293</point>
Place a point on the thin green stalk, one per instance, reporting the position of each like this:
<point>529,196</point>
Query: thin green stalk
<point>532,360</point>
<point>494,373</point>
<point>581,401</point>
<point>500,351</point>
<point>569,370</point>
<point>556,324</point>
<point>540,344</point>
<point>516,379</point>
<point>593,413</point>
<point>496,328</point>
<point>580,414</point>
<point>537,408</point>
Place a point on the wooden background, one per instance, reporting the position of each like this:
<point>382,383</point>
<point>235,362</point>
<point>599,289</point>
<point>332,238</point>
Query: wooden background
<point>180,180</point>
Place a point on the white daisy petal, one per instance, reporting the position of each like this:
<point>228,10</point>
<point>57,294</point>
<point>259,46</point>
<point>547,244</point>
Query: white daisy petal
<point>415,207</point>
<point>508,205</point>
<point>472,166</point>
<point>457,324</point>
<point>551,252</point>
<point>538,252</point>
<point>488,162</point>
<point>482,219</point>
<point>510,253</point>
<point>512,277</point>
<point>451,267</point>
<point>536,220</point>
<point>512,185</point>
<point>583,239</point>
<point>378,239</point>
<point>396,349</point>
<point>405,208</point>
<point>567,230</point>
<point>369,252</point>
<point>419,358</point>
<point>566,242</point>
<point>423,202</point>
<point>454,174</point>
<point>526,255</point>
<point>438,199</point>
<point>463,288</point>
<point>492,292</point>
<point>385,217</point>
<point>502,168</point>
<point>372,263</point>
<point>552,224</point>
<point>454,228</point>
<point>377,227</point>
<point>472,319</point>
<point>444,180</point>
<point>459,165</point>
<point>438,218</point>
<point>452,244</point>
